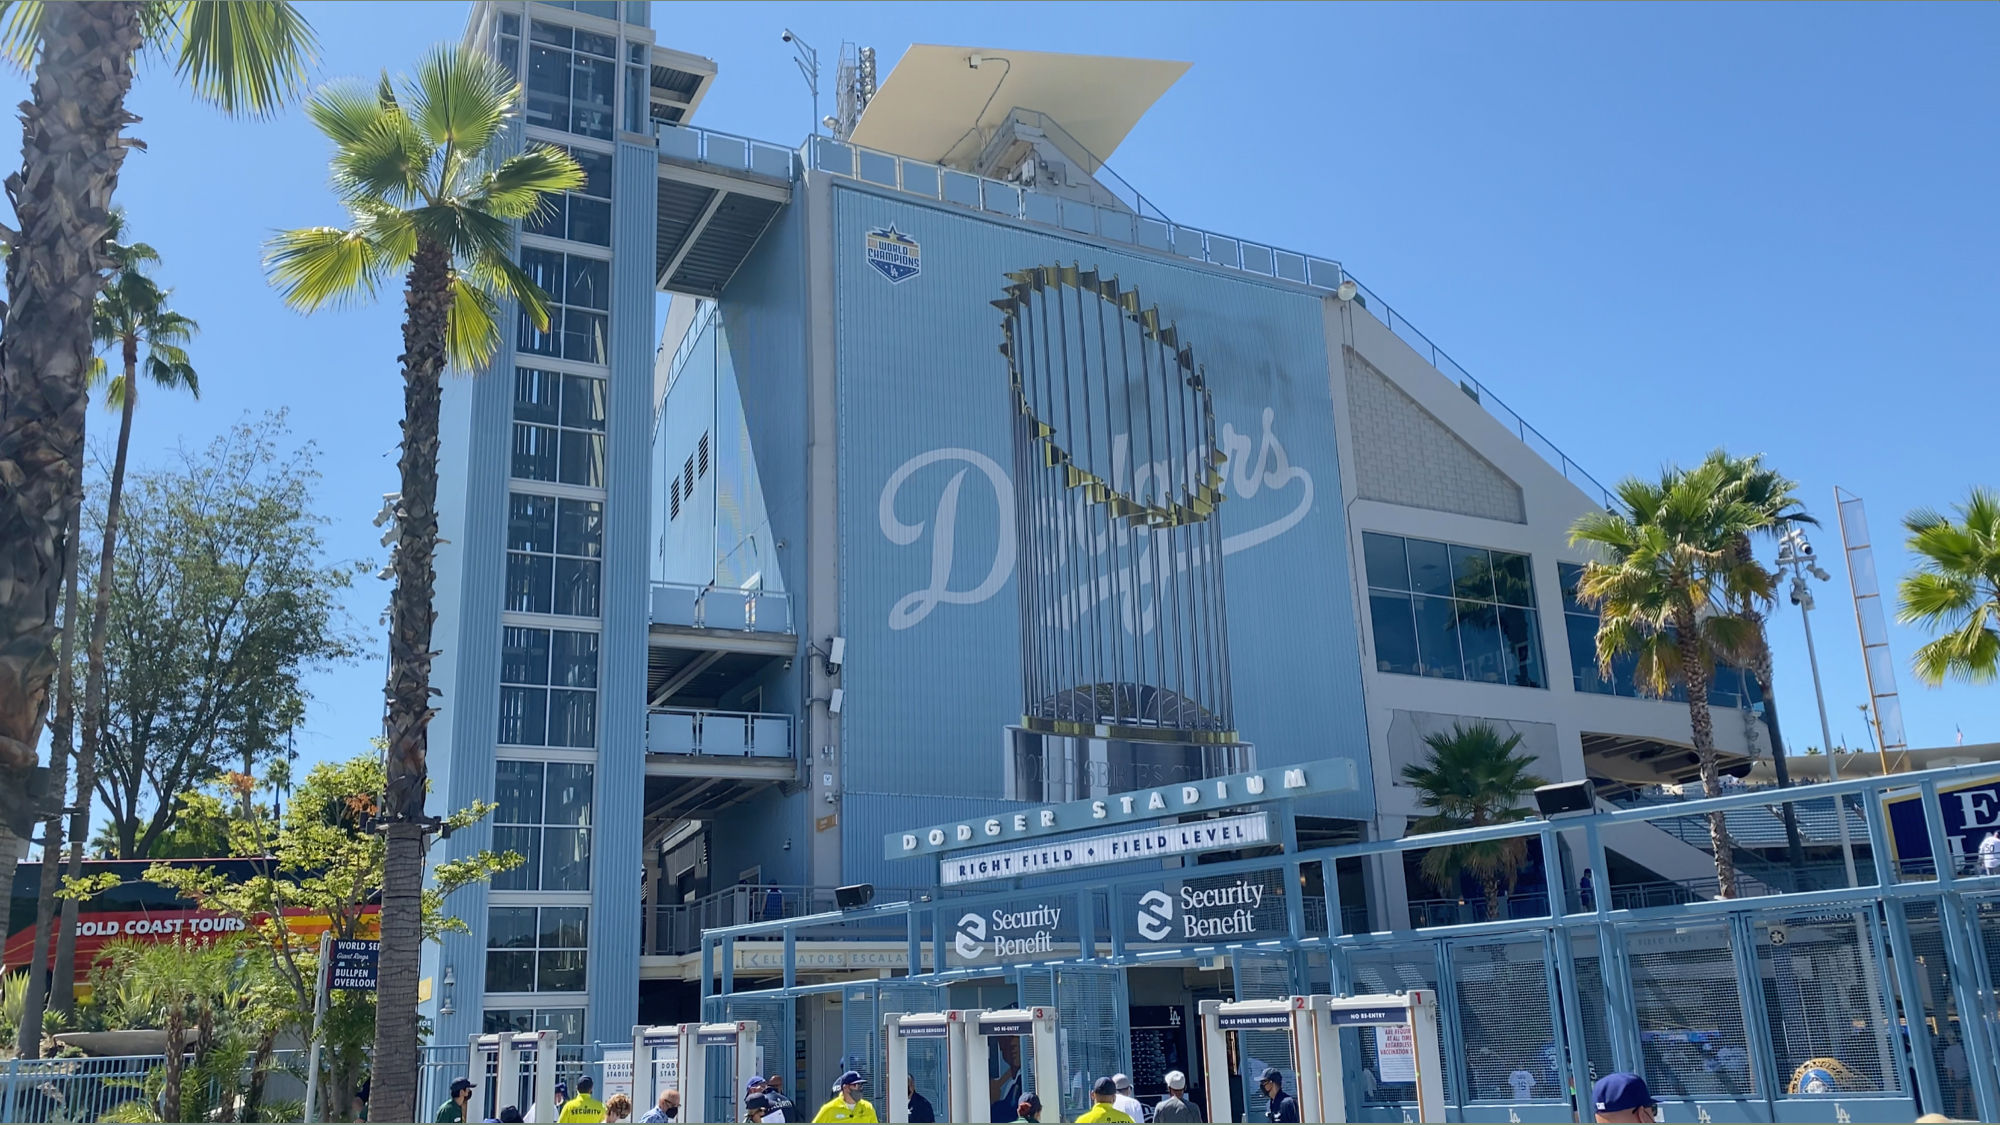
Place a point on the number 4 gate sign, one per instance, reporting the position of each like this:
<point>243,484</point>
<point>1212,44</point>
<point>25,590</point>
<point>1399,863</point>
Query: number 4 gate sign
<point>352,967</point>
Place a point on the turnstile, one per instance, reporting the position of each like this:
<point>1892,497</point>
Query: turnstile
<point>498,1077</point>
<point>1404,1024</point>
<point>679,1054</point>
<point>965,1033</point>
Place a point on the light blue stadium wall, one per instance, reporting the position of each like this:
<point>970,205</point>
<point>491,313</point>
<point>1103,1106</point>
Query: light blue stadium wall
<point>616,868</point>
<point>919,371</point>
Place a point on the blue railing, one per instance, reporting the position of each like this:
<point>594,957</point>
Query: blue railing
<point>719,734</point>
<point>721,607</point>
<point>727,151</point>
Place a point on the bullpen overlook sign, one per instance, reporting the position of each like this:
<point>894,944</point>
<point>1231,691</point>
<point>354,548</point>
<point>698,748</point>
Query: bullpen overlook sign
<point>1312,779</point>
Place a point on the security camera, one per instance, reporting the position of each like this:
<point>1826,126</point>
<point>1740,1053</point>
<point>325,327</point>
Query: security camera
<point>788,37</point>
<point>1806,549</point>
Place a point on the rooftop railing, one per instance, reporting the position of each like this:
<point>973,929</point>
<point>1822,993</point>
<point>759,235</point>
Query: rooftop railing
<point>718,734</point>
<point>721,607</point>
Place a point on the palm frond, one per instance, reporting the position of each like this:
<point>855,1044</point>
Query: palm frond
<point>345,110</point>
<point>314,267</point>
<point>523,185</point>
<point>473,333</point>
<point>459,100</point>
<point>389,162</point>
<point>245,56</point>
<point>504,278</point>
<point>21,32</point>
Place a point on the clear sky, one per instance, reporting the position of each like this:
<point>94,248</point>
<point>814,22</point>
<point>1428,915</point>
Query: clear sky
<point>1651,229</point>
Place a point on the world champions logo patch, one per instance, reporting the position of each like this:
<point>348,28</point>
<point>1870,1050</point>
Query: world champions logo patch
<point>894,255</point>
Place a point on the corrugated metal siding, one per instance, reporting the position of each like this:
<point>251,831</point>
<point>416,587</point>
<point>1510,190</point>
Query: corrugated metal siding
<point>867,817</point>
<point>920,376</point>
<point>615,922</point>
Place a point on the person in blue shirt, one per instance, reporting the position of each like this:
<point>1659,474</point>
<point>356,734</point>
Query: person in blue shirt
<point>920,1106</point>
<point>1283,1106</point>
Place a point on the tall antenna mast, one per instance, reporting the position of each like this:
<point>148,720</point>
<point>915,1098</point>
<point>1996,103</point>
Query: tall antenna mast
<point>1874,629</point>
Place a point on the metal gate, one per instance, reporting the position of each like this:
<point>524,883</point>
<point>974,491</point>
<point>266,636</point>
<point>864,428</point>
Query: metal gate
<point>1093,1025</point>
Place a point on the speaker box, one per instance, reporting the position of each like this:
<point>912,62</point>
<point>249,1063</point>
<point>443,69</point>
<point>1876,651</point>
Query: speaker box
<point>854,897</point>
<point>1567,798</point>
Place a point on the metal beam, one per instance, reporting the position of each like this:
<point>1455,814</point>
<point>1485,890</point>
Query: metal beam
<point>680,679</point>
<point>695,230</point>
<point>742,183</point>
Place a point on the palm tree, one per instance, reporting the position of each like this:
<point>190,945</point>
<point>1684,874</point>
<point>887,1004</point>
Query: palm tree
<point>1473,778</point>
<point>1665,566</point>
<point>430,194</point>
<point>241,56</point>
<point>176,985</point>
<point>1775,497</point>
<point>132,315</point>
<point>1955,589</point>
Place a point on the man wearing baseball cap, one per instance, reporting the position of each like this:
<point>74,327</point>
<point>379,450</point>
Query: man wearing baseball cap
<point>1104,1107</point>
<point>1623,1097</point>
<point>1175,1106</point>
<point>1283,1107</point>
<point>847,1103</point>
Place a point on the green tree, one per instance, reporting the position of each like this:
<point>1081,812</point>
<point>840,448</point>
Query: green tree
<point>433,196</point>
<point>243,57</point>
<point>1667,560</point>
<point>1955,590</point>
<point>222,602</point>
<point>323,861</point>
<point>1774,497</point>
<point>1472,778</point>
<point>175,986</point>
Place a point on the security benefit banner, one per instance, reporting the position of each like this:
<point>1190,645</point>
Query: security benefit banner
<point>1210,910</point>
<point>1024,930</point>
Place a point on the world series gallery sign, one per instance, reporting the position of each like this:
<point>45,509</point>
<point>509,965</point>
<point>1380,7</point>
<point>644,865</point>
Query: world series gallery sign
<point>1312,779</point>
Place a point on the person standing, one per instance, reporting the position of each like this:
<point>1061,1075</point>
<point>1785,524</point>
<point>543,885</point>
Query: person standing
<point>772,1113</point>
<point>583,1107</point>
<point>1621,1097</point>
<point>755,1106</point>
<point>1283,1107</point>
<point>847,1103</point>
<point>454,1107</point>
<point>781,1106</point>
<point>1104,1104</point>
<point>1030,1110</point>
<point>666,1109</point>
<point>1176,1106</point>
<point>617,1107</point>
<point>920,1106</point>
<point>1126,1103</point>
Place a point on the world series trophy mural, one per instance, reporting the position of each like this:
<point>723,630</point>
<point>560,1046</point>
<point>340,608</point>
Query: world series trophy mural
<point>1119,475</point>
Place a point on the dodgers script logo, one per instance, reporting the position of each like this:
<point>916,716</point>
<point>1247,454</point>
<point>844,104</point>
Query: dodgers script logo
<point>1257,463</point>
<point>894,255</point>
<point>1156,915</point>
<point>971,938</point>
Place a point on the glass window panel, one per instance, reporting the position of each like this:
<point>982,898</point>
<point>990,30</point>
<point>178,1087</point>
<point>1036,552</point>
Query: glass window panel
<point>1395,633</point>
<point>497,1020</point>
<point>1582,633</point>
<point>581,461</point>
<point>583,403</point>
<point>606,8</point>
<point>531,523</point>
<point>596,172</point>
<point>524,719</point>
<point>537,395</point>
<point>590,221</point>
<point>529,583</point>
<point>517,790</point>
<point>590,40</point>
<point>1471,573</point>
<point>635,52</point>
<point>1570,574</point>
<point>524,655</point>
<point>510,24</point>
<point>594,85</point>
<point>1386,560</point>
<point>535,452</point>
<point>575,659</point>
<point>1521,643</point>
<point>583,336</point>
<point>510,927</point>
<point>549,33</point>
<point>507,52</point>
<point>565,1022</point>
<point>566,859</point>
<point>1430,567</point>
<point>1479,640</point>
<point>580,528</point>
<point>1437,636</point>
<point>526,843</point>
<point>539,341</point>
<point>575,588</point>
<point>545,269</point>
<point>589,282</point>
<point>569,794</point>
<point>1513,579</point>
<point>560,971</point>
<point>549,218</point>
<point>510,972</point>
<point>565,927</point>
<point>637,98</point>
<point>573,718</point>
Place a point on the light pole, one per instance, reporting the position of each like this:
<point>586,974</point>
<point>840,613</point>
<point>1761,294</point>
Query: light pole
<point>807,61</point>
<point>1796,552</point>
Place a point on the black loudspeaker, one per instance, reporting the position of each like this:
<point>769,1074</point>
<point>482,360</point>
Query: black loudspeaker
<point>854,897</point>
<point>1566,798</point>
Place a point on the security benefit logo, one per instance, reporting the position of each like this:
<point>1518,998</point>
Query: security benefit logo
<point>1208,911</point>
<point>893,254</point>
<point>1008,935</point>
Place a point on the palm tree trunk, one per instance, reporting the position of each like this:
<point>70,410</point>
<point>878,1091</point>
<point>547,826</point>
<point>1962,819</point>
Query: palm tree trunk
<point>1694,670</point>
<point>1760,669</point>
<point>176,1060</point>
<point>93,684</point>
<point>427,300</point>
<point>62,735</point>
<point>71,152</point>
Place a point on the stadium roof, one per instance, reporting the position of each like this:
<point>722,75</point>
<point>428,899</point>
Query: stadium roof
<point>935,97</point>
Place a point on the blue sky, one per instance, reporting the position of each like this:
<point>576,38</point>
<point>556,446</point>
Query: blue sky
<point>1651,229</point>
